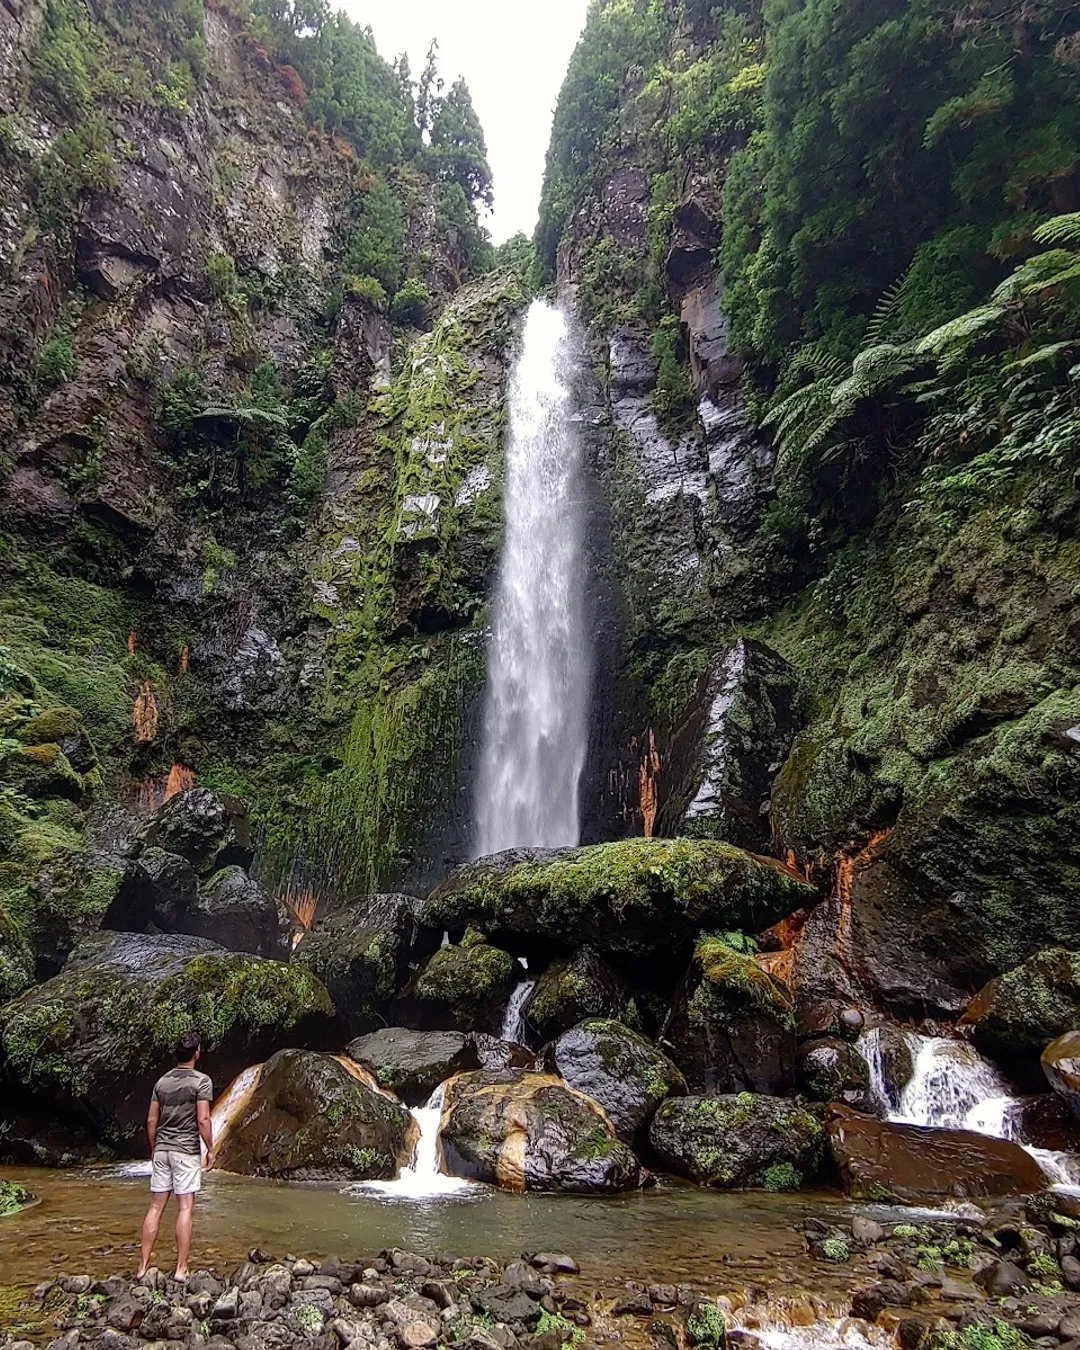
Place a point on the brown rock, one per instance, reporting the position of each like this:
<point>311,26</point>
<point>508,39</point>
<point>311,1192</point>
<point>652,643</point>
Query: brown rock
<point>913,1164</point>
<point>416,1335</point>
<point>1061,1064</point>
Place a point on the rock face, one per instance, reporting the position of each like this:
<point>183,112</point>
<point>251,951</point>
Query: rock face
<point>360,952</point>
<point>573,988</point>
<point>913,1165</point>
<point>616,1067</point>
<point>412,1064</point>
<point>635,896</point>
<point>740,1140</point>
<point>311,1118</point>
<point>1018,1014</point>
<point>92,1040</point>
<point>730,744</point>
<point>464,988</point>
<point>1061,1064</point>
<point>530,1132</point>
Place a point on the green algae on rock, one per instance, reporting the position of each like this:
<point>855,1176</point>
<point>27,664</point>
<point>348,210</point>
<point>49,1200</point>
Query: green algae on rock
<point>465,988</point>
<point>13,1197</point>
<point>1017,1014</point>
<point>574,988</point>
<point>633,896</point>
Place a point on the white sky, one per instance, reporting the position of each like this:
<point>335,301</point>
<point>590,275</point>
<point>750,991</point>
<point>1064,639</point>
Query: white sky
<point>513,56</point>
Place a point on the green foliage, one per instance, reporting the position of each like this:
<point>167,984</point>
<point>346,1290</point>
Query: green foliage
<point>707,1326</point>
<point>65,64</point>
<point>458,151</point>
<point>410,304</point>
<point>563,1328</point>
<point>836,1249</point>
<point>725,960</point>
<point>782,1176</point>
<point>993,1335</point>
<point>56,363</point>
<point>376,247</point>
<point>13,1197</point>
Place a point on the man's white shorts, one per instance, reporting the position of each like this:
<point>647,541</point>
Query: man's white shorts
<point>180,1173</point>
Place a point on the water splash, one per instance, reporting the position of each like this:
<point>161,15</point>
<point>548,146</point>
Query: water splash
<point>422,1179</point>
<point>535,717</point>
<point>513,1027</point>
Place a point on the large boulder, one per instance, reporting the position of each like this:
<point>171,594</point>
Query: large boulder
<point>831,1070</point>
<point>731,741</point>
<point>1016,1015</point>
<point>315,1117</point>
<point>464,988</point>
<point>412,1064</point>
<point>914,1165</point>
<point>530,1132</point>
<point>738,1140</point>
<point>616,1067</point>
<point>576,987</point>
<point>360,952</point>
<point>635,896</point>
<point>92,1040</point>
<point>209,831</point>
<point>730,1027</point>
<point>73,892</point>
<point>1061,1064</point>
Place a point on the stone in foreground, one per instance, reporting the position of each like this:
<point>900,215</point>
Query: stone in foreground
<point>912,1164</point>
<point>316,1117</point>
<point>738,1140</point>
<point>530,1132</point>
<point>1061,1064</point>
<point>412,1064</point>
<point>635,896</point>
<point>92,1041</point>
<point>616,1067</point>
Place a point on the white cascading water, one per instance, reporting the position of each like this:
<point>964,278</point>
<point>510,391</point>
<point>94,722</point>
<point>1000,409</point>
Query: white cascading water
<point>538,666</point>
<point>513,1027</point>
<point>422,1179</point>
<point>953,1087</point>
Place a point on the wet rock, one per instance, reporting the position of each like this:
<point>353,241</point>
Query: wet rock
<point>1070,1272</point>
<point>1044,1120</point>
<point>636,1303</point>
<point>831,1070</point>
<point>616,1067</point>
<point>211,832</point>
<point>868,1303</point>
<point>1002,1280</point>
<point>634,896</point>
<point>1061,1064</point>
<point>73,894</point>
<point>531,1132</point>
<point>496,1055</point>
<point>412,1064</point>
<point>574,988</point>
<point>852,1023</point>
<point>311,1119</point>
<point>465,988</point>
<point>867,1231</point>
<point>110,1017</point>
<point>733,738</point>
<point>360,952</point>
<point>555,1263</point>
<point>730,1028</point>
<point>507,1305</point>
<point>1019,1013</point>
<point>738,1140</point>
<point>878,1160</point>
<point>124,1313</point>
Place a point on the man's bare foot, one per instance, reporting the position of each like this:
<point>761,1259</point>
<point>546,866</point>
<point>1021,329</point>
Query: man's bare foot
<point>180,1276</point>
<point>140,1274</point>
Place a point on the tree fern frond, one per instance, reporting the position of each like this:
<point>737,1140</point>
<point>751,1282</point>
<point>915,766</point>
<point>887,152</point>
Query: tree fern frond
<point>1059,230</point>
<point>886,308</point>
<point>1042,356</point>
<point>1035,274</point>
<point>961,331</point>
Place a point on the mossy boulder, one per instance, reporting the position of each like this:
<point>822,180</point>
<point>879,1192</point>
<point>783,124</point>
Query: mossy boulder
<point>738,1140</point>
<point>831,1070</point>
<point>1016,1015</point>
<point>62,727</point>
<point>730,1027</point>
<point>1061,1064</point>
<point>311,1117</point>
<point>573,988</point>
<point>616,1067</point>
<point>16,960</point>
<point>210,831</point>
<point>530,1132</point>
<point>42,771</point>
<point>465,988</point>
<point>13,1197</point>
<point>92,1040</point>
<point>73,893</point>
<point>361,953</point>
<point>910,1164</point>
<point>637,896</point>
<point>412,1064</point>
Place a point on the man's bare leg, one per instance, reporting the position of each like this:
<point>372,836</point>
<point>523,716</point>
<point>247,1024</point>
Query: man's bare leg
<point>185,1214</point>
<point>150,1227</point>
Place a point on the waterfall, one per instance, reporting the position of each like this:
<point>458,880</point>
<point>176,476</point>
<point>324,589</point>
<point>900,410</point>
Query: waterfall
<point>513,1027</point>
<point>538,666</point>
<point>422,1179</point>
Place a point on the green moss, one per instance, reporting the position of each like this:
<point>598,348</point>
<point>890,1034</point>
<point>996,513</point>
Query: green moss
<point>51,726</point>
<point>780,1177</point>
<point>994,1335</point>
<point>13,1197</point>
<point>707,1326</point>
<point>464,979</point>
<point>835,1249</point>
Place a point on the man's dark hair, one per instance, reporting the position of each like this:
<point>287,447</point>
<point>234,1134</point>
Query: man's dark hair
<point>187,1045</point>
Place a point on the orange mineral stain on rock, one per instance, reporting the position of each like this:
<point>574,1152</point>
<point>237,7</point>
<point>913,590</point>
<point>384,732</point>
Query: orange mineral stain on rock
<point>364,1076</point>
<point>648,774</point>
<point>301,904</point>
<point>145,715</point>
<point>185,658</point>
<point>131,643</point>
<point>849,865</point>
<point>178,779</point>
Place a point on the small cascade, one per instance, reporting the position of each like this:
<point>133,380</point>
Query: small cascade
<point>513,1027</point>
<point>870,1046</point>
<point>422,1179</point>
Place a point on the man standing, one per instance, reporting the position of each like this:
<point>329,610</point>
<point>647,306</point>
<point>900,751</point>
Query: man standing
<point>179,1117</point>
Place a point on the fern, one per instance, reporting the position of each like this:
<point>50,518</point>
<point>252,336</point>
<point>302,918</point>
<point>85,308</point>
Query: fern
<point>1038,274</point>
<point>887,309</point>
<point>1059,230</point>
<point>953,339</point>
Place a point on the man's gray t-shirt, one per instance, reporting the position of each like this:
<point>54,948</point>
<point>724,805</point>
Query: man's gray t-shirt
<point>177,1093</point>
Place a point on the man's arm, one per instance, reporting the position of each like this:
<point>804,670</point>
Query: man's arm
<point>206,1130</point>
<point>152,1118</point>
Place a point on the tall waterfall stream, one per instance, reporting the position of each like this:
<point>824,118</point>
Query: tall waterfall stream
<point>537,699</point>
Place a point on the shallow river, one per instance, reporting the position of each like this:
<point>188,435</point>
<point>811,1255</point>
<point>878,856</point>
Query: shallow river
<point>88,1221</point>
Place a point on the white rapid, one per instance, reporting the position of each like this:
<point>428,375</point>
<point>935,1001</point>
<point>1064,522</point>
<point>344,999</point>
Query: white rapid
<point>953,1087</point>
<point>513,1027</point>
<point>538,665</point>
<point>422,1179</point>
